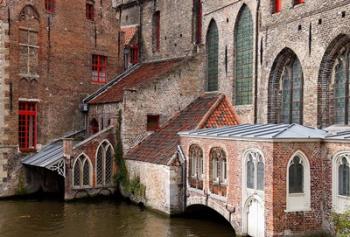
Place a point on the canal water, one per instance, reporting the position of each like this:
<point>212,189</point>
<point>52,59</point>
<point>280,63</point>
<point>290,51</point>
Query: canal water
<point>52,218</point>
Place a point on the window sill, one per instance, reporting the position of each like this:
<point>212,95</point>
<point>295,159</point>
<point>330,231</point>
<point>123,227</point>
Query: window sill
<point>296,194</point>
<point>297,210</point>
<point>343,197</point>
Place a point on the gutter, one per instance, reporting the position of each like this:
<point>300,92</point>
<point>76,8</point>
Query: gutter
<point>256,63</point>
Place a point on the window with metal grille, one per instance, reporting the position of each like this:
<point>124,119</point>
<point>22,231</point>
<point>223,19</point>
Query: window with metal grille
<point>28,61</point>
<point>212,57</point>
<point>27,126</point>
<point>344,178</point>
<point>296,176</point>
<point>276,6</point>
<point>156,31</point>
<point>99,68</point>
<point>90,11</point>
<point>152,122</point>
<point>197,21</point>
<point>244,57</point>
<point>104,164</point>
<point>82,172</point>
<point>50,6</point>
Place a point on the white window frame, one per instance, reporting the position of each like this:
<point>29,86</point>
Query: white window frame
<point>299,201</point>
<point>83,159</point>
<point>340,203</point>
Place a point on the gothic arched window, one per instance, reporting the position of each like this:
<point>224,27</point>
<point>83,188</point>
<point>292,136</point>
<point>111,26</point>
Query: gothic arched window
<point>286,89</point>
<point>212,57</point>
<point>82,172</point>
<point>296,176</point>
<point>244,35</point>
<point>344,178</point>
<point>104,164</point>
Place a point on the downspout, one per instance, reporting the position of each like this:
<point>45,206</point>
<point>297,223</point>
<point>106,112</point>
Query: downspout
<point>140,31</point>
<point>256,62</point>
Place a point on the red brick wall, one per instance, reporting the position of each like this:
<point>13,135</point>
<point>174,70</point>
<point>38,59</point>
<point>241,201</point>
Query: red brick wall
<point>64,62</point>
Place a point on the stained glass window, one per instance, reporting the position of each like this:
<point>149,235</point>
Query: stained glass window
<point>212,57</point>
<point>244,57</point>
<point>296,176</point>
<point>344,178</point>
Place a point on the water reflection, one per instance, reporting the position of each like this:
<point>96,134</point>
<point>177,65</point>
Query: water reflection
<point>86,219</point>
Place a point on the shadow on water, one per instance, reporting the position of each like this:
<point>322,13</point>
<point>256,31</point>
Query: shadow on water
<point>48,216</point>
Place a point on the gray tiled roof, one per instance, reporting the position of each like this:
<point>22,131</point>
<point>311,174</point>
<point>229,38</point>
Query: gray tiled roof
<point>260,131</point>
<point>48,156</point>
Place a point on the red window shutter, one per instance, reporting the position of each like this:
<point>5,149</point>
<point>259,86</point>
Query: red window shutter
<point>278,5</point>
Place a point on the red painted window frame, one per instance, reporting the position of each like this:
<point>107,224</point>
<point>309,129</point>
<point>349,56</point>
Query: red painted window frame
<point>27,110</point>
<point>277,6</point>
<point>99,68</point>
<point>90,11</point>
<point>198,16</point>
<point>50,6</point>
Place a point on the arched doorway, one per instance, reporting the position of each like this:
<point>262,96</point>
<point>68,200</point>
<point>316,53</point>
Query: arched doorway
<point>255,218</point>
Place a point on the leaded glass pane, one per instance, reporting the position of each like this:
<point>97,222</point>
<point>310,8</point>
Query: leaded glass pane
<point>250,173</point>
<point>344,178</point>
<point>244,57</point>
<point>109,166</point>
<point>339,93</point>
<point>260,176</point>
<point>286,97</point>
<point>76,173</point>
<point>296,176</point>
<point>99,166</point>
<point>213,58</point>
<point>86,173</point>
<point>296,92</point>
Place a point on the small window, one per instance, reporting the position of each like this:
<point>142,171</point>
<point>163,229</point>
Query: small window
<point>27,126</point>
<point>152,122</point>
<point>94,127</point>
<point>296,176</point>
<point>344,178</point>
<point>99,68</point>
<point>50,6</point>
<point>90,11</point>
<point>156,31</point>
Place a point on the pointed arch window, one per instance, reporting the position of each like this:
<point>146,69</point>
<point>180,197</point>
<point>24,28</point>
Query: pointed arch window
<point>82,172</point>
<point>255,170</point>
<point>296,176</point>
<point>212,57</point>
<point>104,164</point>
<point>244,57</point>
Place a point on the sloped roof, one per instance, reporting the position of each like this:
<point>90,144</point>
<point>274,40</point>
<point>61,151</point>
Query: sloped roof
<point>260,131</point>
<point>160,146</point>
<point>144,73</point>
<point>129,33</point>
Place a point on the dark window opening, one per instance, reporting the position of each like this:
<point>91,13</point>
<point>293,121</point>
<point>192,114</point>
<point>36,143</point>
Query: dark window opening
<point>94,128</point>
<point>50,6</point>
<point>156,31</point>
<point>27,126</point>
<point>197,21</point>
<point>152,122</point>
<point>90,11</point>
<point>99,68</point>
<point>212,57</point>
<point>344,178</point>
<point>296,176</point>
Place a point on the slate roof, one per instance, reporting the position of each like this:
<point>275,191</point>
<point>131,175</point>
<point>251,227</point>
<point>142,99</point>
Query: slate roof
<point>260,131</point>
<point>160,146</point>
<point>141,74</point>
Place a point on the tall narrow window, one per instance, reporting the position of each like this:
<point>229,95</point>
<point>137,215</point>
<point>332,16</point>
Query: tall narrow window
<point>296,176</point>
<point>99,68</point>
<point>76,173</point>
<point>341,91</point>
<point>50,6</point>
<point>196,162</point>
<point>344,178</point>
<point>27,127</point>
<point>197,21</point>
<point>254,171</point>
<point>244,57</point>
<point>82,172</point>
<point>29,50</point>
<point>260,176</point>
<point>90,11</point>
<point>156,31</point>
<point>104,164</point>
<point>212,57</point>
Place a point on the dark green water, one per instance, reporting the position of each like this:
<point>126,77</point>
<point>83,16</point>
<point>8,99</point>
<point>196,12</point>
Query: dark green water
<point>31,218</point>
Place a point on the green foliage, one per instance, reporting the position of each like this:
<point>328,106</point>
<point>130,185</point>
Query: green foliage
<point>131,186</point>
<point>342,224</point>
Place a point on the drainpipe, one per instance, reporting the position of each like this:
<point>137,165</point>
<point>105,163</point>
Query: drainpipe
<point>256,62</point>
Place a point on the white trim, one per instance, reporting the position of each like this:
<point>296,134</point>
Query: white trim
<point>81,169</point>
<point>340,203</point>
<point>299,201</point>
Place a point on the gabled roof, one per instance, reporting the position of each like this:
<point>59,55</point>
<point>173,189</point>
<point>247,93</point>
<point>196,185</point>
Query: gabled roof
<point>129,33</point>
<point>138,75</point>
<point>260,131</point>
<point>205,111</point>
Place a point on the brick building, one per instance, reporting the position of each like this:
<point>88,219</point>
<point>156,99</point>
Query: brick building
<point>53,54</point>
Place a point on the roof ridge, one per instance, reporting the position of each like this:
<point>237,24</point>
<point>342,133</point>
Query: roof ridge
<point>210,111</point>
